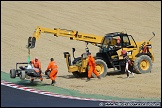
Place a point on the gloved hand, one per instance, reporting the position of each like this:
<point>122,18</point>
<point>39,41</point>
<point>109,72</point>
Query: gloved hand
<point>46,72</point>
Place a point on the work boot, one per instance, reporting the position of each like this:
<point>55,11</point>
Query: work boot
<point>41,79</point>
<point>88,79</point>
<point>48,77</point>
<point>32,79</point>
<point>99,77</point>
<point>52,83</point>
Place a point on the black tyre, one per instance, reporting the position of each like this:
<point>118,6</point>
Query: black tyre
<point>101,68</point>
<point>12,73</point>
<point>22,75</point>
<point>143,64</point>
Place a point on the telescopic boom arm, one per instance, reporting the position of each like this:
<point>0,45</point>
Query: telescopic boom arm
<point>72,34</point>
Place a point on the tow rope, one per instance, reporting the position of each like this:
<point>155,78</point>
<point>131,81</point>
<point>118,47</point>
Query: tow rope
<point>28,55</point>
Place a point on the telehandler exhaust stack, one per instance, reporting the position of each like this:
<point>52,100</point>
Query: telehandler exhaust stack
<point>153,36</point>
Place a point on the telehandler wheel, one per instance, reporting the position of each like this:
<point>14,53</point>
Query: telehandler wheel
<point>22,75</point>
<point>143,64</point>
<point>101,68</point>
<point>12,73</point>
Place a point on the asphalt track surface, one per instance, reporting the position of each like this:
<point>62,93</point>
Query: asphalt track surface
<point>11,97</point>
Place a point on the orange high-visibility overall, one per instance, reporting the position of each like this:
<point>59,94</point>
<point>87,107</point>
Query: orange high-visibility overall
<point>92,65</point>
<point>54,69</point>
<point>37,64</point>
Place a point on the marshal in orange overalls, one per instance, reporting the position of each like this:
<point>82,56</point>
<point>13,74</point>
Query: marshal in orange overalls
<point>54,70</point>
<point>92,65</point>
<point>37,64</point>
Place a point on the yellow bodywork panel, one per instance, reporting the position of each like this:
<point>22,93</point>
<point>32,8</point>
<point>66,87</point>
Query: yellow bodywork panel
<point>84,65</point>
<point>81,67</point>
<point>73,68</point>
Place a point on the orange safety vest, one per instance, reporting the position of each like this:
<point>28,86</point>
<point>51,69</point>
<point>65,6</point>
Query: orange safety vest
<point>52,65</point>
<point>36,64</point>
<point>91,61</point>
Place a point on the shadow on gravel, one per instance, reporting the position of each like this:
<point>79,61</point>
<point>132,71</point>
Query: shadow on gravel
<point>28,83</point>
<point>112,73</point>
<point>46,84</point>
<point>67,76</point>
<point>70,77</point>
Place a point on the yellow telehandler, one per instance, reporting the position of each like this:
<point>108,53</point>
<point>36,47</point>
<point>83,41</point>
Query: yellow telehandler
<point>108,56</point>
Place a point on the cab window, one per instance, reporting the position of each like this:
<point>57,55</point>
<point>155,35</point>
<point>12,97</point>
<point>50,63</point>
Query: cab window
<point>126,41</point>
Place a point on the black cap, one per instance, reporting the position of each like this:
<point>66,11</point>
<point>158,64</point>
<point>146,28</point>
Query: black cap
<point>52,59</point>
<point>89,53</point>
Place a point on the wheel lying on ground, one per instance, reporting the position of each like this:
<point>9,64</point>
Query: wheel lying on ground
<point>12,73</point>
<point>101,68</point>
<point>22,75</point>
<point>143,64</point>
